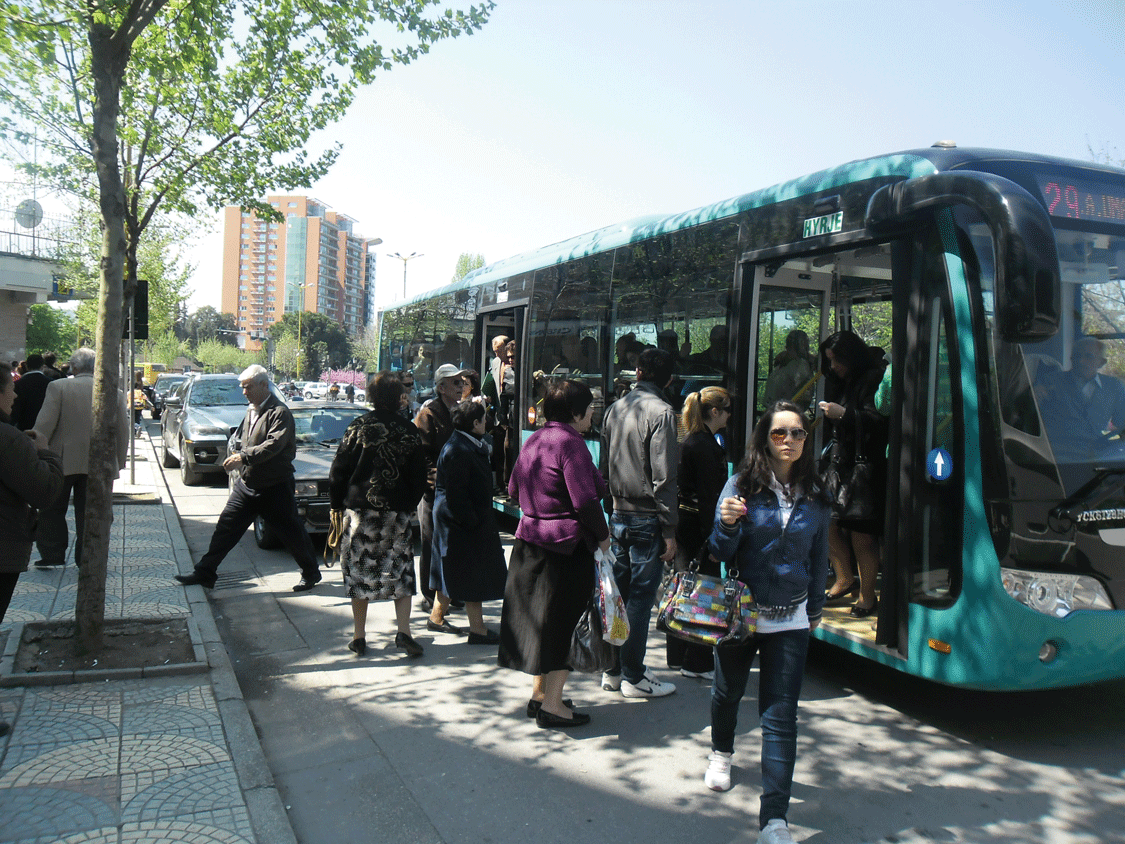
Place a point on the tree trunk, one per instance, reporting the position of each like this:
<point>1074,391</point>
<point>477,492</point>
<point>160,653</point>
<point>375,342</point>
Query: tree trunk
<point>109,59</point>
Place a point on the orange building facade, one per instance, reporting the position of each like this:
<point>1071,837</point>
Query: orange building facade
<point>313,261</point>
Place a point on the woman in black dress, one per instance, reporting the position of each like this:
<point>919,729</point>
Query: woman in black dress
<point>551,575</point>
<point>853,372</point>
<point>701,475</point>
<point>377,478</point>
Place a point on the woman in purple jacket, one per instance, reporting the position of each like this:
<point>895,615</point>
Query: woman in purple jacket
<point>551,570</point>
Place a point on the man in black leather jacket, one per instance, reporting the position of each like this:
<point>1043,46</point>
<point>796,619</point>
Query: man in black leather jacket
<point>265,487</point>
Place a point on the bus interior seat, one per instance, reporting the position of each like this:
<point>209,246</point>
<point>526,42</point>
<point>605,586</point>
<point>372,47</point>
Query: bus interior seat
<point>1039,365</point>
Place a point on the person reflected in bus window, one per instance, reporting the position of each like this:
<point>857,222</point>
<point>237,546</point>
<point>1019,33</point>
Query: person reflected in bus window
<point>853,375</point>
<point>714,357</point>
<point>588,362</point>
<point>792,371</point>
<point>1081,406</point>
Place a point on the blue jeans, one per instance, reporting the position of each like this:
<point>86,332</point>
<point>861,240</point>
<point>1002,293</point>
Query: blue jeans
<point>781,668</point>
<point>637,544</point>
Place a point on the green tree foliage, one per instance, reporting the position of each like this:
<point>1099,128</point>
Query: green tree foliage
<point>206,324</point>
<point>216,356</point>
<point>466,263</point>
<point>285,355</point>
<point>51,329</point>
<point>146,104</point>
<point>324,343</point>
<point>165,348</point>
<point>159,261</point>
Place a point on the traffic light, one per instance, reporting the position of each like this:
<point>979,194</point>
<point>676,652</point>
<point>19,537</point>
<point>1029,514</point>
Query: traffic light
<point>140,310</point>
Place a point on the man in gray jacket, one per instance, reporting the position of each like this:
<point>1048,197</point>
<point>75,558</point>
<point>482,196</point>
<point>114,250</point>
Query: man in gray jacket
<point>640,450</point>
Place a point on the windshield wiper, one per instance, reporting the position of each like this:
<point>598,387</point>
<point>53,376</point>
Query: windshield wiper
<point>1062,515</point>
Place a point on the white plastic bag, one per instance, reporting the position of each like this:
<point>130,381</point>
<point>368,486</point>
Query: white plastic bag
<point>615,624</point>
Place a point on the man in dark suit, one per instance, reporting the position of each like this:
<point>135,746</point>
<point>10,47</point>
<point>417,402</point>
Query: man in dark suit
<point>267,446</point>
<point>31,389</point>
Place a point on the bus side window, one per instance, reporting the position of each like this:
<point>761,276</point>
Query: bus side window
<point>674,293</point>
<point>567,329</point>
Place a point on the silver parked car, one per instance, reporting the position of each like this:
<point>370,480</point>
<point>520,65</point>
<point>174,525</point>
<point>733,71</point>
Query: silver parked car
<point>320,427</point>
<point>199,417</point>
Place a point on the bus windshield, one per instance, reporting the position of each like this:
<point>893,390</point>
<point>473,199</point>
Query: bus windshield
<point>1077,378</point>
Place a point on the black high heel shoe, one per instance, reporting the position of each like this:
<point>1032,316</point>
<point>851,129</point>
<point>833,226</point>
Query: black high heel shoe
<point>863,612</point>
<point>358,646</point>
<point>853,589</point>
<point>533,706</point>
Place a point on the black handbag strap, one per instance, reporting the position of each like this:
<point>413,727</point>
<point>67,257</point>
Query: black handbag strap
<point>860,451</point>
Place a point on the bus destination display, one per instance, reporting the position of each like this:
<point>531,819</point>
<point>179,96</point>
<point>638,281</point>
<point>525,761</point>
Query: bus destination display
<point>1083,200</point>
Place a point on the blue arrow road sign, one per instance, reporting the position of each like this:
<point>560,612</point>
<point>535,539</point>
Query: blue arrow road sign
<point>939,464</point>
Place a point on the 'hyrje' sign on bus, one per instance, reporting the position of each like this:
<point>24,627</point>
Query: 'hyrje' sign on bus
<point>828,224</point>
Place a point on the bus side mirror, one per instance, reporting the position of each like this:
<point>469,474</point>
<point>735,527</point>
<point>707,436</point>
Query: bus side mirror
<point>1028,289</point>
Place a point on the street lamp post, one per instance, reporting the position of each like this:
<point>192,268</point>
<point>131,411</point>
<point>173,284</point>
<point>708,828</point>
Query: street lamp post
<point>404,259</point>
<point>300,312</point>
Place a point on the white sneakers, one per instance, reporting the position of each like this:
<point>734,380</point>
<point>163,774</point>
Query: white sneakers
<point>648,686</point>
<point>698,675</point>
<point>611,682</point>
<point>717,777</point>
<point>776,832</point>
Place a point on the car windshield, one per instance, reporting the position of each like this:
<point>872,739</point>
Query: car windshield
<point>324,424</point>
<point>167,383</point>
<point>217,393</point>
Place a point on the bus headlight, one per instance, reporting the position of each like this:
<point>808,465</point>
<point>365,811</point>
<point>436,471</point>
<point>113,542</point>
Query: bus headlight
<point>1053,594</point>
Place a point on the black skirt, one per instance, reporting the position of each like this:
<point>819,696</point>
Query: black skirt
<point>544,597</point>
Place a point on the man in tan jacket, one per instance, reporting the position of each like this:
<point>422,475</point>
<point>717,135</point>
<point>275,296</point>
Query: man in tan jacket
<point>66,420</point>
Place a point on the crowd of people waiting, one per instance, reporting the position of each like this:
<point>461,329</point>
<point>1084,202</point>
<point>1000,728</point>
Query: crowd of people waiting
<point>670,502</point>
<point>663,481</point>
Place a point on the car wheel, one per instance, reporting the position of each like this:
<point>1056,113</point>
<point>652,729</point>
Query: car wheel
<point>188,475</point>
<point>167,459</point>
<point>264,535</point>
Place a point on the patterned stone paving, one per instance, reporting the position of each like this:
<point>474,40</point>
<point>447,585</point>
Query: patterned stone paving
<point>138,579</point>
<point>126,762</point>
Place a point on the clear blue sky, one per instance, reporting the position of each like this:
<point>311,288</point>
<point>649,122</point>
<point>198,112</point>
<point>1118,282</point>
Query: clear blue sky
<point>562,116</point>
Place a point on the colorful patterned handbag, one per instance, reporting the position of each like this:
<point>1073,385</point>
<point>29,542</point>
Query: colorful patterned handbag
<point>707,610</point>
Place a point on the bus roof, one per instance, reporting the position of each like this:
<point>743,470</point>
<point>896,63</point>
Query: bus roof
<point>906,165</point>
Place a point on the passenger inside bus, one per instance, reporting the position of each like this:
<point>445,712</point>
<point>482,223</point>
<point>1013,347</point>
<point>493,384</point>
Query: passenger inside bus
<point>791,373</point>
<point>1082,408</point>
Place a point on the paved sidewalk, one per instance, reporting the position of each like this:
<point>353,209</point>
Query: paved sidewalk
<point>169,756</point>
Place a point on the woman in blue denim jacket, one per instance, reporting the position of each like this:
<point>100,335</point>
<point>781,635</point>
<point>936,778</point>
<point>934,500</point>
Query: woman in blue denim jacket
<point>772,526</point>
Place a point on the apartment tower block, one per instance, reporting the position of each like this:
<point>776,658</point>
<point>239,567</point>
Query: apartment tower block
<point>313,261</point>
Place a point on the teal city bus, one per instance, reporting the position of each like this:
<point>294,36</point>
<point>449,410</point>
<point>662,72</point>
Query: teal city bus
<point>984,276</point>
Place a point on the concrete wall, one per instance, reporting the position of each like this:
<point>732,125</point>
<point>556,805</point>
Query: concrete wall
<point>24,281</point>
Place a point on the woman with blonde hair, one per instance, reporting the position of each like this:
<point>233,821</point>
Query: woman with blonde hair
<point>702,473</point>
